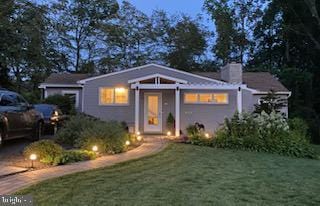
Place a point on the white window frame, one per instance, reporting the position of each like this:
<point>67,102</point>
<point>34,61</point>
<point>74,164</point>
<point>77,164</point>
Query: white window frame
<point>198,98</point>
<point>76,92</point>
<point>114,96</point>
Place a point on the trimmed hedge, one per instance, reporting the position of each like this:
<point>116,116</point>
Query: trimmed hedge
<point>71,156</point>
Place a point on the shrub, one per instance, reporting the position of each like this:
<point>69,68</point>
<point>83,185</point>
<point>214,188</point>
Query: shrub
<point>46,150</point>
<point>110,137</point>
<point>72,129</point>
<point>264,132</point>
<point>70,156</point>
<point>170,122</point>
<point>196,134</point>
<point>64,103</point>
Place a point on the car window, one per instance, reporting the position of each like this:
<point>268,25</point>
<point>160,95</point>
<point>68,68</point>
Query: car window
<point>21,100</point>
<point>45,110</point>
<point>8,100</point>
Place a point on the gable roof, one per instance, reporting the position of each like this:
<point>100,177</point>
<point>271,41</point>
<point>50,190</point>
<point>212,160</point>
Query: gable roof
<point>261,81</point>
<point>150,65</point>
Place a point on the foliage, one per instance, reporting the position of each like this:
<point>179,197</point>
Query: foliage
<point>72,129</point>
<point>70,156</point>
<point>196,134</point>
<point>110,137</point>
<point>266,133</point>
<point>170,122</point>
<point>269,103</point>
<point>46,151</point>
<point>64,103</point>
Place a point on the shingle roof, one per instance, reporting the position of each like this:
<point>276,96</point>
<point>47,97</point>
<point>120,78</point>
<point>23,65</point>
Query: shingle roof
<point>261,81</point>
<point>65,78</point>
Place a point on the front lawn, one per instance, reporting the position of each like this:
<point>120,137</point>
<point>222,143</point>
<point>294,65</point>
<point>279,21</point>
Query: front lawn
<point>190,175</point>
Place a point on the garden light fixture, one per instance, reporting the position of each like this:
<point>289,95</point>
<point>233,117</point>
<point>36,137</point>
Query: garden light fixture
<point>168,133</point>
<point>139,138</point>
<point>32,157</point>
<point>207,135</point>
<point>127,142</point>
<point>95,148</point>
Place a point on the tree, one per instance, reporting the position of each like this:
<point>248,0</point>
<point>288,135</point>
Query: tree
<point>77,22</point>
<point>186,44</point>
<point>269,103</point>
<point>127,40</point>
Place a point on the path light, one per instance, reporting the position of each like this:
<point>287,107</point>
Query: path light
<point>207,135</point>
<point>127,142</point>
<point>138,133</point>
<point>139,138</point>
<point>168,133</point>
<point>95,148</point>
<point>32,157</point>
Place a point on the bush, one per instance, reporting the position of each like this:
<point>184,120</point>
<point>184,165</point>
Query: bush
<point>263,132</point>
<point>64,103</point>
<point>170,122</point>
<point>72,129</point>
<point>110,137</point>
<point>71,156</point>
<point>196,134</point>
<point>46,151</point>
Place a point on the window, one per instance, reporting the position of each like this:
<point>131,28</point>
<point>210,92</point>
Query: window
<point>115,96</point>
<point>190,98</point>
<point>73,96</point>
<point>206,98</point>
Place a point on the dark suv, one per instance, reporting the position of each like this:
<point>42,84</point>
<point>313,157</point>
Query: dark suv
<point>18,118</point>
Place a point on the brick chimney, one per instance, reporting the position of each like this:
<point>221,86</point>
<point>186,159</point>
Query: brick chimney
<point>232,73</point>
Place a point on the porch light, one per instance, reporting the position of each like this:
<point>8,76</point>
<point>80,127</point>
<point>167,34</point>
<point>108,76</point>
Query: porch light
<point>207,135</point>
<point>127,142</point>
<point>95,148</point>
<point>139,138</point>
<point>168,133</point>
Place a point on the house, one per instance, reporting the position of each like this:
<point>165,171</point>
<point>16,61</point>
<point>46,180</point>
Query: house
<point>144,96</point>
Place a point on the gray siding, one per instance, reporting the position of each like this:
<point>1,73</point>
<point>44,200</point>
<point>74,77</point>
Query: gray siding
<point>211,115</point>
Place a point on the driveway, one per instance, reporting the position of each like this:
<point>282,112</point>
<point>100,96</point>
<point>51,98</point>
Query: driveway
<point>11,152</point>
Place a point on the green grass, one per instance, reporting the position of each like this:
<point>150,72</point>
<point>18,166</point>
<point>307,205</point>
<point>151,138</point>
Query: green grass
<point>190,175</point>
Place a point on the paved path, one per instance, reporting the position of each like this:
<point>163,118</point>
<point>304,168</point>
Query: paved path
<point>16,182</point>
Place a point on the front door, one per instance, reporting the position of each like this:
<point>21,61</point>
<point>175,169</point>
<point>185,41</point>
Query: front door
<point>152,113</point>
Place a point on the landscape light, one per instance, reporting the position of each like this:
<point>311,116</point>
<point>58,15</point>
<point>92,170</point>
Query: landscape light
<point>139,138</point>
<point>168,133</point>
<point>95,148</point>
<point>207,135</point>
<point>32,157</point>
<point>138,133</point>
<point>127,142</point>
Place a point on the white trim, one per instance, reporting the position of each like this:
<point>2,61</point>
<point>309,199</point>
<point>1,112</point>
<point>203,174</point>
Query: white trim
<point>82,100</point>
<point>114,96</point>
<point>44,86</point>
<point>147,65</point>
<point>137,105</point>
<point>76,92</point>
<point>184,86</point>
<point>45,93</point>
<point>158,80</point>
<point>239,100</point>
<point>145,114</point>
<point>177,116</point>
<point>279,93</point>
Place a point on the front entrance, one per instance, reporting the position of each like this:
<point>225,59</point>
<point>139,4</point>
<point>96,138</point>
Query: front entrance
<point>153,113</point>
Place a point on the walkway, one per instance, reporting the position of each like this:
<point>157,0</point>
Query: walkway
<point>16,182</point>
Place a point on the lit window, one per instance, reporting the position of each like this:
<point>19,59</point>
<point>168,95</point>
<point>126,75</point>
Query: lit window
<point>113,96</point>
<point>221,98</point>
<point>205,98</point>
<point>191,98</point>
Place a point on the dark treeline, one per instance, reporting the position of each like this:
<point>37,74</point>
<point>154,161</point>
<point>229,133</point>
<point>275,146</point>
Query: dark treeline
<point>100,36</point>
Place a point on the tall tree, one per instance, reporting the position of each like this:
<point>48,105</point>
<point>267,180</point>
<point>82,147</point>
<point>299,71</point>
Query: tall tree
<point>77,22</point>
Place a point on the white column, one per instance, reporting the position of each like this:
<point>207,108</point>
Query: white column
<point>137,98</point>
<point>177,116</point>
<point>239,100</point>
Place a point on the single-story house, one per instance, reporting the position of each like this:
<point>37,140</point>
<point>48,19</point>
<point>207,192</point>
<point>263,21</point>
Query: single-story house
<point>144,96</point>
